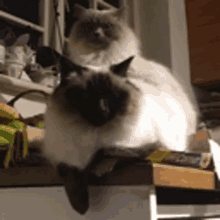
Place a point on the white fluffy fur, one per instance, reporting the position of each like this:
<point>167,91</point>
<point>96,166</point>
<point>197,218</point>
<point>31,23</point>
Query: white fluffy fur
<point>68,140</point>
<point>161,77</point>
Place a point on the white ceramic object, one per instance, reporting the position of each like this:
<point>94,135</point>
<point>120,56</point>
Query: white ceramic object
<point>2,56</point>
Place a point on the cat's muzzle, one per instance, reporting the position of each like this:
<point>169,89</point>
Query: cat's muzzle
<point>99,41</point>
<point>99,33</point>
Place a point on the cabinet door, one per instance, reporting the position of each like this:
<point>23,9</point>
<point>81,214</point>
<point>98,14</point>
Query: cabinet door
<point>203,18</point>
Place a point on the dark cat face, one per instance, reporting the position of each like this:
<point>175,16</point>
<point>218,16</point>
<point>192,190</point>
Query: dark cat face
<point>97,28</point>
<point>96,96</point>
<point>99,101</point>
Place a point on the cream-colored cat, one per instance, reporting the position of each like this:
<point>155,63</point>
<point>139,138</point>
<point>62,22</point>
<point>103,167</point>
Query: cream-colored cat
<point>101,37</point>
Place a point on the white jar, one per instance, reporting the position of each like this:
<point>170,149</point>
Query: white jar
<point>16,61</point>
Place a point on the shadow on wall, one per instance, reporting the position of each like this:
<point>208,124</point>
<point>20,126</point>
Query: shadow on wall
<point>162,28</point>
<point>155,36</point>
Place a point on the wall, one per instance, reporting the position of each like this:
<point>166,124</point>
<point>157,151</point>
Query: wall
<point>152,25</point>
<point>51,203</point>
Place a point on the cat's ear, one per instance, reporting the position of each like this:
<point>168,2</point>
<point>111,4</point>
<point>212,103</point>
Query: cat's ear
<point>79,11</point>
<point>46,56</point>
<point>22,39</point>
<point>119,13</point>
<point>122,68</point>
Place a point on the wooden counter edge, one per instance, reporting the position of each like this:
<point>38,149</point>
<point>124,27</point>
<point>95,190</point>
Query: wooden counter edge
<point>184,177</point>
<point>139,174</point>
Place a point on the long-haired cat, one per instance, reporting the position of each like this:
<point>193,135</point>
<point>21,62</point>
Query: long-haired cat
<point>101,37</point>
<point>113,110</point>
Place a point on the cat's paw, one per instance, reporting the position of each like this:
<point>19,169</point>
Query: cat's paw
<point>104,167</point>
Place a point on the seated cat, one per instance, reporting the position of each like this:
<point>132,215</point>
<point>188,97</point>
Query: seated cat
<point>117,109</point>
<point>101,37</point>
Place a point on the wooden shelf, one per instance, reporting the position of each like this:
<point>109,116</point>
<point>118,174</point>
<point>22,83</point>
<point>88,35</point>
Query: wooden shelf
<point>13,86</point>
<point>20,21</point>
<point>28,176</point>
<point>203,24</point>
<point>106,4</point>
<point>160,175</point>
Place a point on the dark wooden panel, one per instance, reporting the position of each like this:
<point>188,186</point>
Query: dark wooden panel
<point>166,195</point>
<point>203,20</point>
<point>138,174</point>
<point>28,176</point>
<point>205,62</point>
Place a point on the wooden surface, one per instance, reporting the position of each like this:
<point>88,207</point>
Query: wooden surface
<point>160,175</point>
<point>28,176</point>
<point>165,175</point>
<point>139,174</point>
<point>203,23</point>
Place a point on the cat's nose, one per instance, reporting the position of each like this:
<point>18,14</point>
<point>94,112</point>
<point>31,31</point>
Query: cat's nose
<point>99,32</point>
